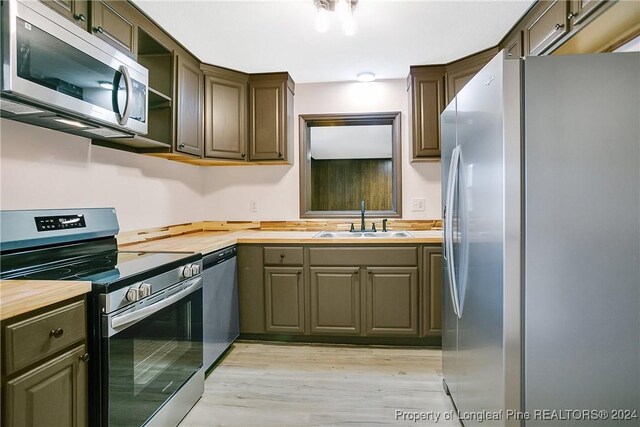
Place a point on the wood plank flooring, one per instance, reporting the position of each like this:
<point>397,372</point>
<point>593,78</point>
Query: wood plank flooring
<point>265,384</point>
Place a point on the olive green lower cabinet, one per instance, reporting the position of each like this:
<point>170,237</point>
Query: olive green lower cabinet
<point>284,300</point>
<point>369,294</point>
<point>335,300</point>
<point>44,369</point>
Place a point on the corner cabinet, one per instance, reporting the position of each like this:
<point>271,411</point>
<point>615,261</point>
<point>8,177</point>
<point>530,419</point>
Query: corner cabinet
<point>427,100</point>
<point>225,113</point>
<point>44,367</point>
<point>189,95</point>
<point>460,72</point>
<point>271,117</point>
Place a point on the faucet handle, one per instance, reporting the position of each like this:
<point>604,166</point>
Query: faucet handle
<point>384,225</point>
<point>352,228</point>
<point>373,226</point>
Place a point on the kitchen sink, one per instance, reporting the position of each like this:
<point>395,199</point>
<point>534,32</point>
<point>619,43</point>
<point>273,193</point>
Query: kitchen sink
<point>363,235</point>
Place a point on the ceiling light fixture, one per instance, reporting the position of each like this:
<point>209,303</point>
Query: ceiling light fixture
<point>343,8</point>
<point>366,77</point>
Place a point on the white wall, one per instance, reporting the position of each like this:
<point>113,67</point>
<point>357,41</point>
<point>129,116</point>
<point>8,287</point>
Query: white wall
<point>229,190</point>
<point>41,168</point>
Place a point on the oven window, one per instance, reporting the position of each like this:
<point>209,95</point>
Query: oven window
<point>150,360</point>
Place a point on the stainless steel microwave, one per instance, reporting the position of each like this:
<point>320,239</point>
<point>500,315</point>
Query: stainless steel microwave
<point>56,75</point>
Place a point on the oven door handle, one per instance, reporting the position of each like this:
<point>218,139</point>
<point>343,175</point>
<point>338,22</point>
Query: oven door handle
<point>123,321</point>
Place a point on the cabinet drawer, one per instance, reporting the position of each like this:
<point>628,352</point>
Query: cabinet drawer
<point>363,256</point>
<point>37,337</point>
<point>283,256</point>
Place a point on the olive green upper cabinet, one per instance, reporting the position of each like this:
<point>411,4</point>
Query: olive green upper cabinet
<point>114,22</point>
<point>581,9</point>
<point>76,11</point>
<point>547,24</point>
<point>460,72</point>
<point>225,113</point>
<point>189,93</point>
<point>427,101</point>
<point>271,117</point>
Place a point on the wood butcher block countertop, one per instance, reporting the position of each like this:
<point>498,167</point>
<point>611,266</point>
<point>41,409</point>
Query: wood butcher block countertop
<point>209,241</point>
<point>21,296</point>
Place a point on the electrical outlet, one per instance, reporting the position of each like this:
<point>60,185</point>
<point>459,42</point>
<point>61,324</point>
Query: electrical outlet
<point>253,206</point>
<point>417,205</point>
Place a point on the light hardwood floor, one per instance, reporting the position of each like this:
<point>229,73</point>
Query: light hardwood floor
<point>298,385</point>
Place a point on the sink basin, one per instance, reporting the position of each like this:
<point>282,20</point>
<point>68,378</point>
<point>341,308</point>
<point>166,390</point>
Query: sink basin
<point>361,235</point>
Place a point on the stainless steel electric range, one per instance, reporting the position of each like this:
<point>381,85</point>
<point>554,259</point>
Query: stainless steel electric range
<point>144,311</point>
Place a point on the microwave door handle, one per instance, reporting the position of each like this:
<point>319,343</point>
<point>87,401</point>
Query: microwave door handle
<point>123,321</point>
<point>128,86</point>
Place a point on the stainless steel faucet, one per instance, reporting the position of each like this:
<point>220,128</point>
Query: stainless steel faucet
<point>362,226</point>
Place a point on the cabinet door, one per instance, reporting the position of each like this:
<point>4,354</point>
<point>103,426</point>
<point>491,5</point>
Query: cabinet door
<point>546,26</point>
<point>54,393</point>
<point>268,130</point>
<point>431,291</point>
<point>581,9</point>
<point>427,102</point>
<point>75,11</point>
<point>460,72</point>
<point>514,46</point>
<point>335,300</point>
<point>225,122</point>
<point>189,107</point>
<point>392,301</point>
<point>284,300</point>
<point>108,22</point>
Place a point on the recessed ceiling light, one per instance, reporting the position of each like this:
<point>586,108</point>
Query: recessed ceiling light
<point>366,77</point>
<point>106,85</point>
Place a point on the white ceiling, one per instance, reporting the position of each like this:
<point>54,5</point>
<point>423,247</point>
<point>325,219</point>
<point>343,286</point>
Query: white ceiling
<point>279,35</point>
<point>351,142</point>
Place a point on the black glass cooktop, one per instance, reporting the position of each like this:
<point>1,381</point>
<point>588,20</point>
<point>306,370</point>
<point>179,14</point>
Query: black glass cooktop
<point>107,268</point>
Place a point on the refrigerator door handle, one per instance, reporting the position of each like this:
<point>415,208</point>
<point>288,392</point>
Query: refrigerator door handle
<point>448,237</point>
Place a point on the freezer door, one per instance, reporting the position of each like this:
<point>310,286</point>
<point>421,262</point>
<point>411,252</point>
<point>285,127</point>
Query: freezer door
<point>449,313</point>
<point>582,235</point>
<point>478,239</point>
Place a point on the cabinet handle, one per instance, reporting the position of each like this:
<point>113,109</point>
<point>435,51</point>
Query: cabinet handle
<point>558,26</point>
<point>282,256</point>
<point>357,271</point>
<point>299,272</point>
<point>243,155</point>
<point>98,30</point>
<point>56,333</point>
<point>181,146</point>
<point>571,15</point>
<point>79,17</point>
<point>84,358</point>
<point>369,272</point>
<point>279,153</point>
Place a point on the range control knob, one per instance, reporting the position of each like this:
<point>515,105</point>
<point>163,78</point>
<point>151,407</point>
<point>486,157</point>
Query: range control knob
<point>187,271</point>
<point>195,269</point>
<point>137,292</point>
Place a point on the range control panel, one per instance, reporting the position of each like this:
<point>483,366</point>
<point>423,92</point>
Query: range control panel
<point>50,223</point>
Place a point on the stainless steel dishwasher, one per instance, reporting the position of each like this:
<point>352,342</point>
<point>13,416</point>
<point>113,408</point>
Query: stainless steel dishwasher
<point>221,325</point>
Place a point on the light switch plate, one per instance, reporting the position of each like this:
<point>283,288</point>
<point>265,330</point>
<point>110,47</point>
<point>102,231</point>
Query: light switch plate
<point>417,205</point>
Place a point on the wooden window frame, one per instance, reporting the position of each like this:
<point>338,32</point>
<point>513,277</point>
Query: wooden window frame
<point>306,121</point>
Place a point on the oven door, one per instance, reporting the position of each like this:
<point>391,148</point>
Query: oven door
<point>149,351</point>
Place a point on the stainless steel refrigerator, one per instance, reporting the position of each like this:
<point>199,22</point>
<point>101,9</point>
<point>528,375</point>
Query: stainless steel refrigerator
<point>541,201</point>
